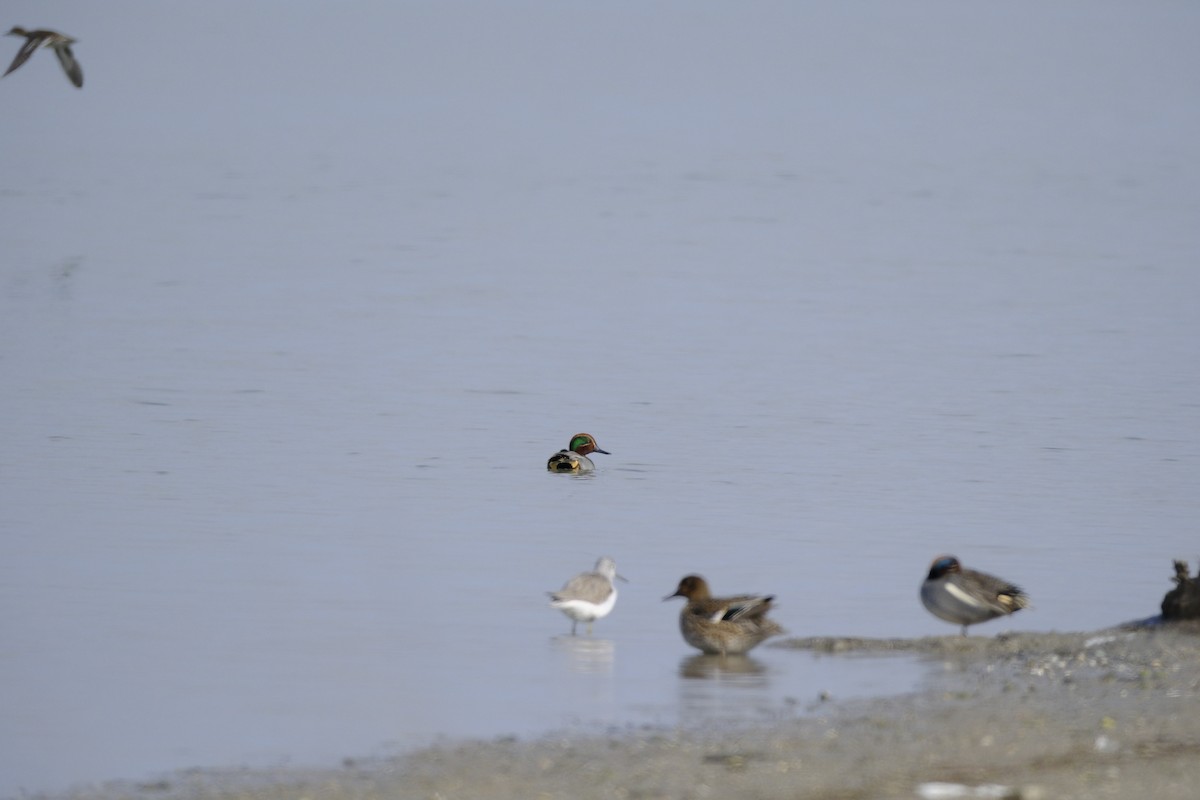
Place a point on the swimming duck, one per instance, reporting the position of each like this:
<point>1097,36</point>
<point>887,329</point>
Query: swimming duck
<point>588,596</point>
<point>723,625</point>
<point>60,44</point>
<point>575,457</point>
<point>966,597</point>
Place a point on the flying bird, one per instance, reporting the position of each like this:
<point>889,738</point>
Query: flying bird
<point>60,44</point>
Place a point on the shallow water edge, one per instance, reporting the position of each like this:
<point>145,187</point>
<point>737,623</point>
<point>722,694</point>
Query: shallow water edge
<point>1040,715</point>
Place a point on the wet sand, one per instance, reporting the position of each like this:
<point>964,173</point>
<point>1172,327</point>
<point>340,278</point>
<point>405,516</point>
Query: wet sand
<point>1079,715</point>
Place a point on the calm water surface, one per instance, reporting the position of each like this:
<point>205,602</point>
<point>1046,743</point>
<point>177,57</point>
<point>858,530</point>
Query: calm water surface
<point>284,354</point>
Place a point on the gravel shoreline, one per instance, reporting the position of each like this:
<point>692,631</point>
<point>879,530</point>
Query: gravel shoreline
<point>1106,714</point>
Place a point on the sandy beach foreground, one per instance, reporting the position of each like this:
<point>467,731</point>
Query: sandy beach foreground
<point>1080,715</point>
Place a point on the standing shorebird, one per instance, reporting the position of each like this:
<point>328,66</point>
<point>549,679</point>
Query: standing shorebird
<point>723,625</point>
<point>588,596</point>
<point>966,597</point>
<point>575,457</point>
<point>60,44</point>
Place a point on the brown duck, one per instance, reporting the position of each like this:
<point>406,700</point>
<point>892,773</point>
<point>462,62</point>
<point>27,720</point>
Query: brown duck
<point>723,625</point>
<point>60,44</point>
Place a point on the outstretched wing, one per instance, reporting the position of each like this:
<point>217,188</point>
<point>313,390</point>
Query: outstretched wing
<point>69,64</point>
<point>24,53</point>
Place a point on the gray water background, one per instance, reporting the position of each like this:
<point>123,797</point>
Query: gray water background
<point>296,299</point>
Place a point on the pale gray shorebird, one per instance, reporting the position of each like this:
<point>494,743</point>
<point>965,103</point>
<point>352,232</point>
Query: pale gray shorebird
<point>575,457</point>
<point>588,596</point>
<point>60,44</point>
<point>723,625</point>
<point>966,597</point>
